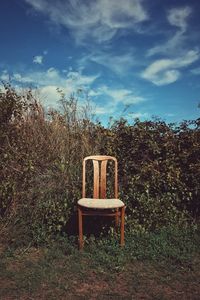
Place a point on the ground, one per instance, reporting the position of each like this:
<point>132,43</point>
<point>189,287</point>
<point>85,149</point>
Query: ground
<point>49,273</point>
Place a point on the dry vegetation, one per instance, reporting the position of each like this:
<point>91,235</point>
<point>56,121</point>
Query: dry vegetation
<point>40,181</point>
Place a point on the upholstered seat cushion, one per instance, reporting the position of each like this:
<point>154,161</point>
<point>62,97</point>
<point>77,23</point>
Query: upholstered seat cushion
<point>100,203</point>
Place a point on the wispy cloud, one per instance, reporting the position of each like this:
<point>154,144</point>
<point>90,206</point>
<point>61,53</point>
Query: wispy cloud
<point>166,71</point>
<point>113,99</point>
<point>179,16</point>
<point>80,79</point>
<point>171,46</point>
<point>105,100</point>
<point>137,115</point>
<point>99,20</point>
<point>53,76</point>
<point>196,71</point>
<point>124,96</point>
<point>38,59</point>
<point>40,78</point>
<point>48,81</point>
<point>176,17</point>
<point>119,64</point>
<point>4,76</point>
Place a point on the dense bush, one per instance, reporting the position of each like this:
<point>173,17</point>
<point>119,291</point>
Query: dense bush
<point>159,169</point>
<point>41,165</point>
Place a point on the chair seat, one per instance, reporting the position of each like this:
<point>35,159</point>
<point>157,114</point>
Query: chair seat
<point>100,203</point>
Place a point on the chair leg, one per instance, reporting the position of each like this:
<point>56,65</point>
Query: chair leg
<point>80,228</point>
<point>122,226</point>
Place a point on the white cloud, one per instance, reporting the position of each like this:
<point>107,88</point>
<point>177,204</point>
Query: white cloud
<point>109,98</point>
<point>38,59</point>
<point>119,64</point>
<point>171,46</point>
<point>77,77</point>
<point>40,78</point>
<point>4,76</point>
<point>106,109</point>
<point>125,96</point>
<point>97,19</point>
<point>112,99</point>
<point>140,115</point>
<point>54,77</point>
<point>49,95</point>
<point>166,71</point>
<point>178,16</point>
<point>196,71</point>
<point>47,82</point>
<point>104,100</point>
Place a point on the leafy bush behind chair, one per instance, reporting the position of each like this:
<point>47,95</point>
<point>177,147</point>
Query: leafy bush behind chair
<point>159,170</point>
<point>41,163</point>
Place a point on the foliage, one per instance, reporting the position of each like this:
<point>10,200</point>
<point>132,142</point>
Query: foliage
<point>41,165</point>
<point>159,170</point>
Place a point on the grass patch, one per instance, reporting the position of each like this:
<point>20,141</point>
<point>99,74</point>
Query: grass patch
<point>160,265</point>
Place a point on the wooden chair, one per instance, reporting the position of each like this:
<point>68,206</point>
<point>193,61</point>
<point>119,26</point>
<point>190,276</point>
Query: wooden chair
<point>99,205</point>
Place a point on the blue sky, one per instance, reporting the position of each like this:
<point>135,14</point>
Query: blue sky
<point>134,58</point>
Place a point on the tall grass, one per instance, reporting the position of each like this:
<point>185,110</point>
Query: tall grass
<point>42,155</point>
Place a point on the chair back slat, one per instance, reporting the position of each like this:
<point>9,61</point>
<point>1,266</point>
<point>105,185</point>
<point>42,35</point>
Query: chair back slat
<point>103,179</point>
<point>99,175</point>
<point>96,179</point>
<point>83,185</point>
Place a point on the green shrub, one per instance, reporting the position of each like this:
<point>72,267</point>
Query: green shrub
<point>159,169</point>
<point>41,165</point>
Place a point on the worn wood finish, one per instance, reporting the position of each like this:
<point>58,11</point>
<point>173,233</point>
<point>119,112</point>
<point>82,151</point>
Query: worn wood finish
<point>103,178</point>
<point>99,188</point>
<point>116,179</point>
<point>96,180</point>
<point>83,186</point>
<point>102,213</point>
<point>100,157</point>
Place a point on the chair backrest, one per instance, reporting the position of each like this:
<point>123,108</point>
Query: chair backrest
<point>99,179</point>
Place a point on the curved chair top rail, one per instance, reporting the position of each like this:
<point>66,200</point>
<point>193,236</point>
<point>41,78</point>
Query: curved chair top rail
<point>99,181</point>
<point>100,157</point>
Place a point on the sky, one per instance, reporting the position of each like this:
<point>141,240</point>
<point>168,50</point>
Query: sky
<point>131,58</point>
